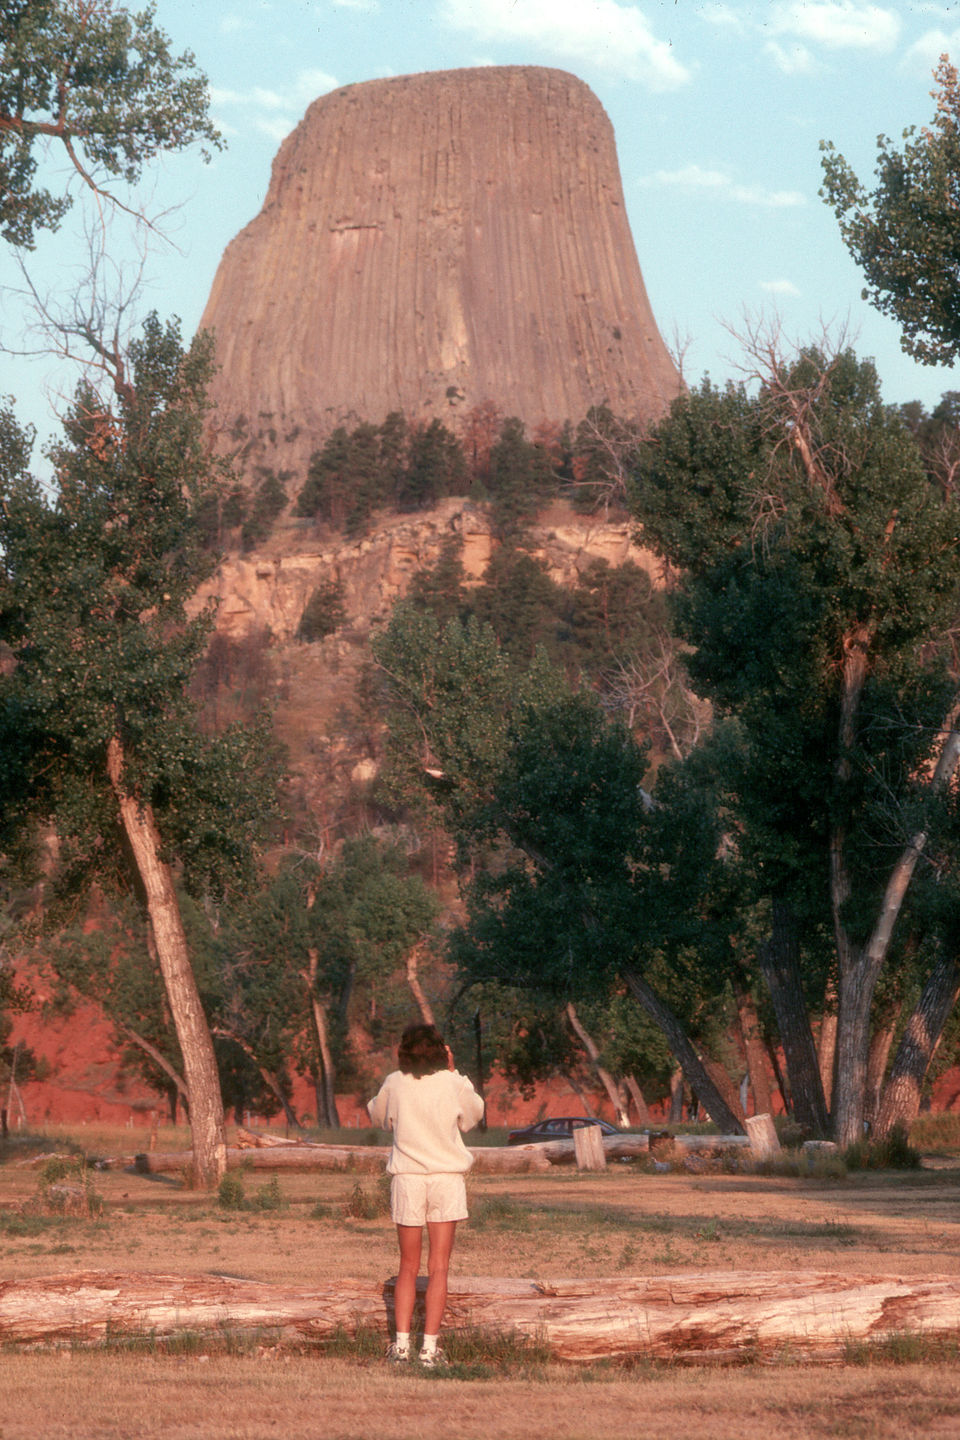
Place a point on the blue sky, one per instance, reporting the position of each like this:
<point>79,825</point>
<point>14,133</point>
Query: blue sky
<point>718,111</point>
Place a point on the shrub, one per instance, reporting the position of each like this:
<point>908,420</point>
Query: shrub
<point>892,1152</point>
<point>324,612</point>
<point>232,1195</point>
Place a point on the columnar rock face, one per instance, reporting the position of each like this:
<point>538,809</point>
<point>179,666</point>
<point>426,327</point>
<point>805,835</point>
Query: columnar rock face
<point>429,243</point>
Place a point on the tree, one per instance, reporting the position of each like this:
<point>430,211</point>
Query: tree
<point>98,734</point>
<point>544,799</point>
<point>905,233</point>
<point>100,83</point>
<point>805,526</point>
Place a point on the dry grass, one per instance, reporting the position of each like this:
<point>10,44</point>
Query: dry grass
<point>558,1224</point>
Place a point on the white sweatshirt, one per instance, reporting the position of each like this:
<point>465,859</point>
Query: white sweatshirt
<point>426,1115</point>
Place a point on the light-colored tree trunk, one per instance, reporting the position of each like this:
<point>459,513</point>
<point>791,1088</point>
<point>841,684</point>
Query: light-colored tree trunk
<point>860,968</point>
<point>676,1096</point>
<point>900,1102</point>
<point>193,1033</point>
<point>328,1114</point>
<point>413,980</point>
<point>639,1103</point>
<point>711,1316</point>
<point>603,1075</point>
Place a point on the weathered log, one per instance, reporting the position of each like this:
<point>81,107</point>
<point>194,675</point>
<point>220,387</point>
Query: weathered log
<point>710,1316</point>
<point>616,1147</point>
<point>518,1159</point>
<point>762,1134</point>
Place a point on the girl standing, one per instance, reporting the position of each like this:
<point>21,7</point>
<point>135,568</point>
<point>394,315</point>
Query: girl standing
<point>426,1103</point>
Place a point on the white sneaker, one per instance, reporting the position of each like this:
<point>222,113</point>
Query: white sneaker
<point>431,1359</point>
<point>398,1354</point>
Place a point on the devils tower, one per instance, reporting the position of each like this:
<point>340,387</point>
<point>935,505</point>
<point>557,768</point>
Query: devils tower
<point>429,243</point>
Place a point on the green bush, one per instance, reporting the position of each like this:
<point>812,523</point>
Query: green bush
<point>324,612</point>
<point>893,1152</point>
<point>232,1195</point>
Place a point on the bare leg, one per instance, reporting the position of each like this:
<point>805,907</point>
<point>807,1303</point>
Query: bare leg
<point>441,1233</point>
<point>410,1238</point>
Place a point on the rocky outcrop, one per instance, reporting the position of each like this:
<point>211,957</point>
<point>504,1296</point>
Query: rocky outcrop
<point>267,591</point>
<point>429,243</point>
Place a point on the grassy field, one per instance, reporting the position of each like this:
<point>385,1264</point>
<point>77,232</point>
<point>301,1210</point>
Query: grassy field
<point>624,1221</point>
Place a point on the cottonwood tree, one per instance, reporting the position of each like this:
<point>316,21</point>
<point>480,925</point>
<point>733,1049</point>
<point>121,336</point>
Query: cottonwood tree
<point>820,580</point>
<point>544,798</point>
<point>905,233</point>
<point>98,734</point>
<point>97,83</point>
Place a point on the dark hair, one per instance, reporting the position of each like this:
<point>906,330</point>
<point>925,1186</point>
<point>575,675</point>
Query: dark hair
<point>421,1051</point>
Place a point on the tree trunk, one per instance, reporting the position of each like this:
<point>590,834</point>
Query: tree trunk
<point>413,980</point>
<point>693,1068</point>
<point>604,1076</point>
<point>639,1103</point>
<point>193,1033</point>
<point>753,1048</point>
<point>877,1056</point>
<point>779,961</point>
<point>900,1102</point>
<point>327,1114</point>
<point>676,1096</point>
<point>827,1043</point>
<point>714,1316</point>
<point>860,969</point>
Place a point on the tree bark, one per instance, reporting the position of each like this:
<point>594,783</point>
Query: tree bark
<point>900,1102</point>
<point>714,1316</point>
<point>639,1103</point>
<point>327,1115</point>
<point>603,1075</point>
<point>693,1067</point>
<point>754,1049</point>
<point>193,1033</point>
<point>877,1057</point>
<point>859,970</point>
<point>413,980</point>
<point>827,1043</point>
<point>779,961</point>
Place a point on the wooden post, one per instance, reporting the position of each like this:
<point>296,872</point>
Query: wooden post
<point>588,1148</point>
<point>762,1135</point>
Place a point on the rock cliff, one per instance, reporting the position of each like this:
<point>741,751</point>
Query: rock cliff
<point>428,243</point>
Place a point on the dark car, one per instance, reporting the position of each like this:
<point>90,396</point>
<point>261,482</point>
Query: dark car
<point>559,1127</point>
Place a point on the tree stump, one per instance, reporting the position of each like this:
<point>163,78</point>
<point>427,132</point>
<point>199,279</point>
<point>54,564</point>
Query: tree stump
<point>763,1137</point>
<point>588,1148</point>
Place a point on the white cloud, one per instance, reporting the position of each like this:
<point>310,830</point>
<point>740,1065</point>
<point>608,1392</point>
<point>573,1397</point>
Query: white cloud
<point>793,59</point>
<point>779,287</point>
<point>838,24</point>
<point>231,24</point>
<point>694,177</point>
<point>722,14</point>
<point>612,35</point>
<point>923,54</point>
<point>272,113</point>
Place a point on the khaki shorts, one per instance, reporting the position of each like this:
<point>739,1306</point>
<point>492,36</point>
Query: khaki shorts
<point>415,1199</point>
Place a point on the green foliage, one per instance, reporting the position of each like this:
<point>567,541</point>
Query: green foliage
<point>93,588</point>
<point>905,233</point>
<point>893,1152</point>
<point>269,502</point>
<point>232,1194</point>
<point>324,612</point>
<point>98,81</point>
<point>364,1204</point>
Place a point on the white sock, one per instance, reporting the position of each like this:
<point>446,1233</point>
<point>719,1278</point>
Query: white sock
<point>430,1344</point>
<point>403,1339</point>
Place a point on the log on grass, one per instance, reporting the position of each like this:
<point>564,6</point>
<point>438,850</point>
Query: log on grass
<point>719,1316</point>
<point>515,1159</point>
<point>616,1147</point>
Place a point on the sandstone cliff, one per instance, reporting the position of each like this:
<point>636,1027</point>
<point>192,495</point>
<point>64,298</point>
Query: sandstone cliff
<point>429,243</point>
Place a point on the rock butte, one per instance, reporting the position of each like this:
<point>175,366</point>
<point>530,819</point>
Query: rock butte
<point>429,243</point>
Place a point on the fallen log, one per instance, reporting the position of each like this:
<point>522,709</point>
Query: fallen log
<point>718,1316</point>
<point>616,1147</point>
<point>487,1159</point>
